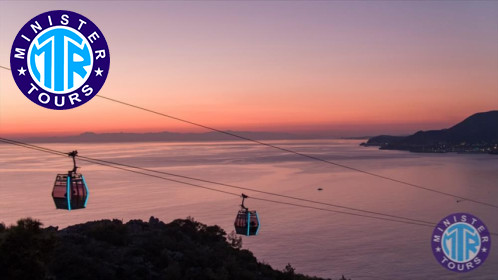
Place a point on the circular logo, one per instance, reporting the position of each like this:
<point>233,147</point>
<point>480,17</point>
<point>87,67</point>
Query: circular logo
<point>59,60</point>
<point>461,242</point>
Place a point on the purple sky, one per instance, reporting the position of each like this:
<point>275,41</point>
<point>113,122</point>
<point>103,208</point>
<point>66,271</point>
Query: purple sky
<point>347,68</point>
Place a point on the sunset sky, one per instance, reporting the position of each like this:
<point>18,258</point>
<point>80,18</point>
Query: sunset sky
<point>339,68</point>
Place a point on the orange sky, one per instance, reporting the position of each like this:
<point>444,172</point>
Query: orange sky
<point>344,68</point>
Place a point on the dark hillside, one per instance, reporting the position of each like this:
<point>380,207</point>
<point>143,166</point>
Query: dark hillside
<point>182,249</point>
<point>477,133</point>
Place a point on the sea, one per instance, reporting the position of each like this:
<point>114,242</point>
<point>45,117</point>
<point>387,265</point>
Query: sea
<point>315,242</point>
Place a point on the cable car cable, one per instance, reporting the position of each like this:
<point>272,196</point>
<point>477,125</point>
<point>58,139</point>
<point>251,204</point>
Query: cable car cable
<point>425,223</point>
<point>228,185</point>
<point>298,153</point>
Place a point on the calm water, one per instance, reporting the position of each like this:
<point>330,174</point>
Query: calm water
<point>314,242</point>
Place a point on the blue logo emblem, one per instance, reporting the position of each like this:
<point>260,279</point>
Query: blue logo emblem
<point>60,60</point>
<point>461,242</point>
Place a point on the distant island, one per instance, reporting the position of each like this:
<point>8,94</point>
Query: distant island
<point>111,249</point>
<point>476,134</point>
<point>166,136</point>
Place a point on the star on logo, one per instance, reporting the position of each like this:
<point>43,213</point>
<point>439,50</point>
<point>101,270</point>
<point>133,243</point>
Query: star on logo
<point>484,250</point>
<point>22,71</point>
<point>98,72</point>
<point>438,249</point>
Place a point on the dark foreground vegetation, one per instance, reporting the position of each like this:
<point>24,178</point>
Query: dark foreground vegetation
<point>182,249</point>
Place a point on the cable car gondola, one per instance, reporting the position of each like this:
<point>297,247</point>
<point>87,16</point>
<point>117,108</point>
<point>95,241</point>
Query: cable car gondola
<point>246,222</point>
<point>70,190</point>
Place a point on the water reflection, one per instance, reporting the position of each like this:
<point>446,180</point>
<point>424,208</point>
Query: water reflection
<point>317,243</point>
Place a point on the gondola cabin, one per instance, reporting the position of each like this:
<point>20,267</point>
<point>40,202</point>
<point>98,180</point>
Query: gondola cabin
<point>70,190</point>
<point>246,222</point>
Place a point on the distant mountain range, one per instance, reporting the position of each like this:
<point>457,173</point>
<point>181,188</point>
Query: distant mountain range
<point>91,137</point>
<point>477,133</point>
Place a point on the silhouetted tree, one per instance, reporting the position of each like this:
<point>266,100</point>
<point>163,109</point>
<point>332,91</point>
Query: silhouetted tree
<point>234,240</point>
<point>25,250</point>
<point>289,270</point>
